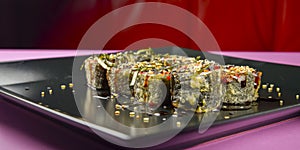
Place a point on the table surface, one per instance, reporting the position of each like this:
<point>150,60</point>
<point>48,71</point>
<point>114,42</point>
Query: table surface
<point>23,129</point>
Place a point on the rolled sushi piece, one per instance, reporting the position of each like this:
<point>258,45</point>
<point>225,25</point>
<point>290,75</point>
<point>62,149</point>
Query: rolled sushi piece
<point>96,69</point>
<point>119,76</point>
<point>242,84</point>
<point>118,80</point>
<point>198,87</point>
<point>150,83</point>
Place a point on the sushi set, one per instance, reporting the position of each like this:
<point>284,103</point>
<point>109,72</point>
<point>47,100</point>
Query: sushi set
<point>143,89</point>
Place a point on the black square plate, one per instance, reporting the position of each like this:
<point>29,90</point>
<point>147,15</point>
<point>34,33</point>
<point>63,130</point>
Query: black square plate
<point>22,82</point>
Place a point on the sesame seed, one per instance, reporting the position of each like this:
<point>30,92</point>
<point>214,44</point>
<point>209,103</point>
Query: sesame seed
<point>226,117</point>
<point>63,87</point>
<point>71,85</point>
<point>279,94</point>
<point>270,90</point>
<point>146,120</point>
<point>50,92</point>
<point>281,102</point>
<point>117,113</point>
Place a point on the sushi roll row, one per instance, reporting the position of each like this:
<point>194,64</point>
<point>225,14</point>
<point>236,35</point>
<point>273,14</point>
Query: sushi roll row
<point>142,78</point>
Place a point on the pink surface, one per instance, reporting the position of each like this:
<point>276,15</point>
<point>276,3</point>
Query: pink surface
<point>22,129</point>
<point>288,58</point>
<point>277,136</point>
<point>14,55</point>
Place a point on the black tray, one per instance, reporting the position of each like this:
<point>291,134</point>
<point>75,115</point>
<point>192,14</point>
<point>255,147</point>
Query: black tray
<point>22,82</point>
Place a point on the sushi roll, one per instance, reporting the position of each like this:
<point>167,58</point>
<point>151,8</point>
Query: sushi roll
<point>96,70</point>
<point>198,86</point>
<point>150,83</point>
<point>99,68</point>
<point>118,80</point>
<point>242,84</point>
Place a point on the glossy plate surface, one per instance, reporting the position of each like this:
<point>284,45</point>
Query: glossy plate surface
<point>25,81</point>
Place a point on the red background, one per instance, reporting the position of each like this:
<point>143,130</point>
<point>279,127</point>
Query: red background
<point>247,25</point>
